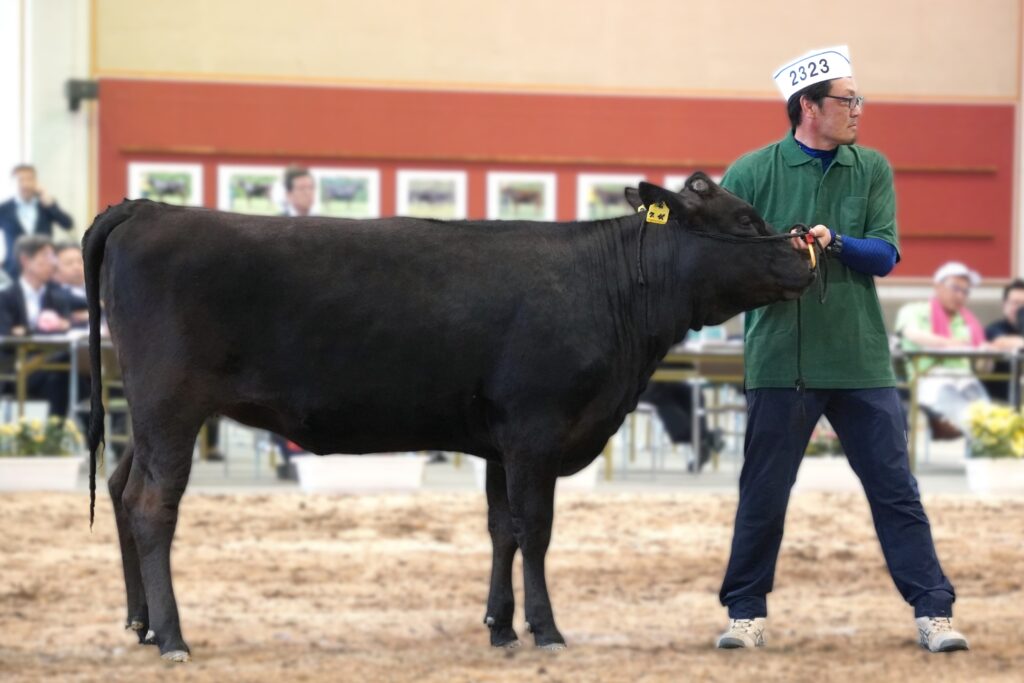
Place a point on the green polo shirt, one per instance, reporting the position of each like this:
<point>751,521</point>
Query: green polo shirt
<point>844,342</point>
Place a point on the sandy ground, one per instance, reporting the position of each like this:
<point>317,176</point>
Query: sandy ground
<point>297,588</point>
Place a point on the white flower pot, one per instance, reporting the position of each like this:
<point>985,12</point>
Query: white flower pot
<point>584,480</point>
<point>359,473</point>
<point>826,473</point>
<point>40,473</point>
<point>995,475</point>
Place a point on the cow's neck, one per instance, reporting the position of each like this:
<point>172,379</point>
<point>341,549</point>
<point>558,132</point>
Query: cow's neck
<point>664,305</point>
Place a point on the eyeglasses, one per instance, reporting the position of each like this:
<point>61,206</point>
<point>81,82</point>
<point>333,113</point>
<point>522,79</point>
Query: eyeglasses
<point>851,102</point>
<point>957,289</point>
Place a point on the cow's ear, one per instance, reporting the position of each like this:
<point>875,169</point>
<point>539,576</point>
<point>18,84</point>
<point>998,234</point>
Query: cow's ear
<point>633,198</point>
<point>652,194</point>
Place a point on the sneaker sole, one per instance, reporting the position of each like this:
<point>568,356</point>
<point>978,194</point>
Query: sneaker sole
<point>950,646</point>
<point>732,644</point>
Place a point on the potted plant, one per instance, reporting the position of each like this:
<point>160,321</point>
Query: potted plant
<point>38,455</point>
<point>996,449</point>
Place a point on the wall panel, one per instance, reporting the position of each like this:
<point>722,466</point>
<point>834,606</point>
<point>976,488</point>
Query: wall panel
<point>953,162</point>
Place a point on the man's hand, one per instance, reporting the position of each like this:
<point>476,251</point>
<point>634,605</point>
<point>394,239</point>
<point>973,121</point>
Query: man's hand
<point>50,321</point>
<point>819,231</point>
<point>44,197</point>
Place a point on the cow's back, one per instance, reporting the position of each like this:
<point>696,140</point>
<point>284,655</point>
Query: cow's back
<point>347,335</point>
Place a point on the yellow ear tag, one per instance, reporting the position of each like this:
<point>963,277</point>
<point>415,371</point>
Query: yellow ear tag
<point>658,213</point>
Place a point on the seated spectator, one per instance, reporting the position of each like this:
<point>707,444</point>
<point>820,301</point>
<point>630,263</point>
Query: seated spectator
<point>70,275</point>
<point>944,322</point>
<point>1006,334</point>
<point>35,305</point>
<point>674,403</point>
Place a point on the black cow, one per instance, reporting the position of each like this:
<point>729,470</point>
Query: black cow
<point>523,343</point>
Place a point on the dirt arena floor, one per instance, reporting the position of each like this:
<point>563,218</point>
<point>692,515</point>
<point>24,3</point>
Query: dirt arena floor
<point>293,588</point>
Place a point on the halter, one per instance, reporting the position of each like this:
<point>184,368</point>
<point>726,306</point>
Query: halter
<point>658,213</point>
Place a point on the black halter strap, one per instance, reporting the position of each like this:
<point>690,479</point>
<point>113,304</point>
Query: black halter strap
<point>798,230</point>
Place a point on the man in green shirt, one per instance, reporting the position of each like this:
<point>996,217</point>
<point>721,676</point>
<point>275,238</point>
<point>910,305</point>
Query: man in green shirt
<point>817,176</point>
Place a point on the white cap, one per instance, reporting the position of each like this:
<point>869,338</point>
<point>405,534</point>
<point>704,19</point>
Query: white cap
<point>956,269</point>
<point>813,67</point>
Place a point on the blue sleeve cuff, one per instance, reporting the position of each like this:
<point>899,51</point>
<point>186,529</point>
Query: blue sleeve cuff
<point>868,255</point>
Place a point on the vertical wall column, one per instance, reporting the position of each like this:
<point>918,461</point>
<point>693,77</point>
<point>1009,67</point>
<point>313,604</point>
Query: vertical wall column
<point>56,35</point>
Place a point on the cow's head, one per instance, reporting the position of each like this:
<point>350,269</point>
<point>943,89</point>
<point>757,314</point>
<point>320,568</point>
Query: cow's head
<point>735,275</point>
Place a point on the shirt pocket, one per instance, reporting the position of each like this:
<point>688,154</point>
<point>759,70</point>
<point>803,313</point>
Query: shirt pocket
<point>853,212</point>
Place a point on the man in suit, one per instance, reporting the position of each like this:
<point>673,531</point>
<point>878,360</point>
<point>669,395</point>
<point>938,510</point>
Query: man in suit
<point>33,305</point>
<point>70,276</point>
<point>31,211</point>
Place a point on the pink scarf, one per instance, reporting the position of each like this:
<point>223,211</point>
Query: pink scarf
<point>940,323</point>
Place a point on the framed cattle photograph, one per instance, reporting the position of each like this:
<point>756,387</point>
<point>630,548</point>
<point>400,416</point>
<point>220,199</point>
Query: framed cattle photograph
<point>250,189</point>
<point>347,192</point>
<point>520,196</point>
<point>431,194</point>
<point>172,183</point>
<point>602,195</point>
<point>675,182</point>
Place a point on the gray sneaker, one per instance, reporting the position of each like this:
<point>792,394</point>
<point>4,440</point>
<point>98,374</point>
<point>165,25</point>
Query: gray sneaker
<point>743,633</point>
<point>936,634</point>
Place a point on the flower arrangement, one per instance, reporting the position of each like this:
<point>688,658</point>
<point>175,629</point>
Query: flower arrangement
<point>55,436</point>
<point>996,431</point>
<point>824,440</point>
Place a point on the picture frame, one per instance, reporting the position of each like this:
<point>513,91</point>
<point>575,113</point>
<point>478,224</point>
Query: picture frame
<point>602,195</point>
<point>521,196</point>
<point>347,192</point>
<point>164,181</point>
<point>431,194</point>
<point>254,189</point>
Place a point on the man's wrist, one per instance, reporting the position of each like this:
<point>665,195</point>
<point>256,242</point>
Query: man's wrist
<point>835,245</point>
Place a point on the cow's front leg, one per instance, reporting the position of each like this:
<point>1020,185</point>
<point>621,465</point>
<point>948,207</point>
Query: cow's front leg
<point>531,495</point>
<point>501,602</point>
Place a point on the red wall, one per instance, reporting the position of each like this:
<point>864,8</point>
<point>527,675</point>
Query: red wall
<point>954,163</point>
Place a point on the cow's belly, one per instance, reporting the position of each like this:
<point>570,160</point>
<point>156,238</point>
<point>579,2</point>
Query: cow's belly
<point>347,427</point>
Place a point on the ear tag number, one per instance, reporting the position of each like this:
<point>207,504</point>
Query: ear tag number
<point>658,213</point>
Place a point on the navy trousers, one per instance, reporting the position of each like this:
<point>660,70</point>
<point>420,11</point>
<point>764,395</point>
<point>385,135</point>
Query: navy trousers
<point>872,431</point>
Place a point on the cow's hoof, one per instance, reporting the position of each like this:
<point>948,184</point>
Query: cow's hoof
<point>176,656</point>
<point>135,625</point>
<point>504,637</point>
<point>148,639</point>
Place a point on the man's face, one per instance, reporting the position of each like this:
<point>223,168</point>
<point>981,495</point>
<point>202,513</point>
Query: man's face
<point>952,293</point>
<point>302,194</point>
<point>1013,303</point>
<point>837,123</point>
<point>25,184</point>
<point>70,269</point>
<point>40,266</point>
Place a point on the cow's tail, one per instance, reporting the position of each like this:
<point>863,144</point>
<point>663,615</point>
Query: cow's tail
<point>93,244</point>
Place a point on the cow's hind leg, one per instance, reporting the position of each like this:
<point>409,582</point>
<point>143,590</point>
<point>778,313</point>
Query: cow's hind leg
<point>138,613</point>
<point>531,496</point>
<point>501,602</point>
<point>156,482</point>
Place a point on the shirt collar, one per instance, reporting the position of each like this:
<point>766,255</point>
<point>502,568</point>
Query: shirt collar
<point>22,203</point>
<point>29,289</point>
<point>795,156</point>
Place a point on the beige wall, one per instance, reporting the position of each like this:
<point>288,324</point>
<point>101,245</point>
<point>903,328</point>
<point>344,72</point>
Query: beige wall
<point>930,49</point>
